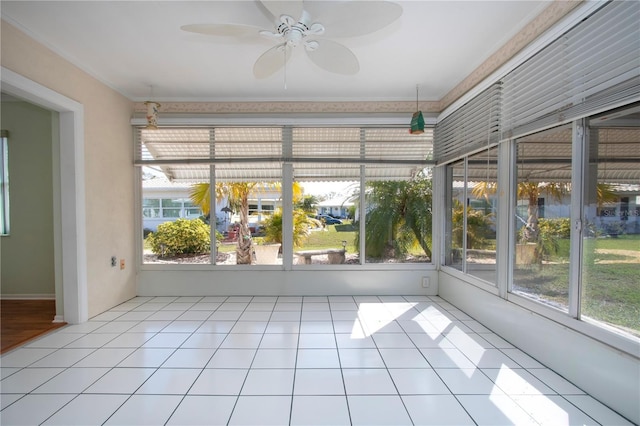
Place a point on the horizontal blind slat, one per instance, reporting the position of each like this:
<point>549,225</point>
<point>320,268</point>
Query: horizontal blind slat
<point>601,52</point>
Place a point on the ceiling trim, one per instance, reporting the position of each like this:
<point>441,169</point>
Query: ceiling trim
<point>291,107</point>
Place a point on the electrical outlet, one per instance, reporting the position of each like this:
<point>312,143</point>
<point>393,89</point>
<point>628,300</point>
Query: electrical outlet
<point>426,282</point>
<point>113,261</point>
<point>121,263</point>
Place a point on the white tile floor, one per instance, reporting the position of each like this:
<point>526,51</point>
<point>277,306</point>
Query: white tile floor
<point>285,360</point>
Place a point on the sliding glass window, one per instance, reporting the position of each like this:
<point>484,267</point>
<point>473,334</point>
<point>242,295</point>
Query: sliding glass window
<point>455,226</point>
<point>481,211</point>
<point>542,217</point>
<point>470,235</point>
<point>611,238</point>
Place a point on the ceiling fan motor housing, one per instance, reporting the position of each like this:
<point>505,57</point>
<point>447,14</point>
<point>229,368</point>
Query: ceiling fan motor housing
<point>294,32</point>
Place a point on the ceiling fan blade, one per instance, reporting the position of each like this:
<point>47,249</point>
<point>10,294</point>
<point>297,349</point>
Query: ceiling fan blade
<point>271,61</point>
<point>334,57</point>
<point>354,18</point>
<point>224,30</point>
<point>278,8</point>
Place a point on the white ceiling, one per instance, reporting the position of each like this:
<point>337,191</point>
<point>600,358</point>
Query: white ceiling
<point>138,48</point>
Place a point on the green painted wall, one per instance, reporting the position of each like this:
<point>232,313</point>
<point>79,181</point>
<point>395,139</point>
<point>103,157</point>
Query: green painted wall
<point>28,253</point>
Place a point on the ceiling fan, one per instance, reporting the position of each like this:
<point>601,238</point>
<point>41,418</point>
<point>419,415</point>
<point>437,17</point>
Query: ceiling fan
<point>307,23</point>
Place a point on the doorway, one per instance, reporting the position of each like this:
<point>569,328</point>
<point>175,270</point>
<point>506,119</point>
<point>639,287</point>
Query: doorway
<point>69,206</point>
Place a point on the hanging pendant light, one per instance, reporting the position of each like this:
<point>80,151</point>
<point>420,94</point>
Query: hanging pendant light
<point>152,112</point>
<point>417,120</point>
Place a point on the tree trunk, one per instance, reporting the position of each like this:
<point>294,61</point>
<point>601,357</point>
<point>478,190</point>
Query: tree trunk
<point>244,249</point>
<point>531,229</point>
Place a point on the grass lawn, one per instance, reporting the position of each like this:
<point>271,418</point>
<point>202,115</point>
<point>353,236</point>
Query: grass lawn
<point>331,238</point>
<point>611,280</point>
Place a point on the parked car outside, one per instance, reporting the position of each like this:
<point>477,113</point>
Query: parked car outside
<point>328,219</point>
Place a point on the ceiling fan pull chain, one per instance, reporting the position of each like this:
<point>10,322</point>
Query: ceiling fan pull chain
<point>285,66</point>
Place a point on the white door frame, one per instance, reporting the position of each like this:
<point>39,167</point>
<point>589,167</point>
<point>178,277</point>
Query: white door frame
<point>69,229</point>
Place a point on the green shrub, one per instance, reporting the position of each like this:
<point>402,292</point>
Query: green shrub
<point>273,227</point>
<point>559,228</point>
<point>182,237</point>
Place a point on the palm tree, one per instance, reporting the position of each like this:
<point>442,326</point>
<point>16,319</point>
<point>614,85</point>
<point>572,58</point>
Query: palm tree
<point>237,195</point>
<point>531,191</point>
<point>308,203</point>
<point>399,218</point>
<point>301,227</point>
<point>476,228</point>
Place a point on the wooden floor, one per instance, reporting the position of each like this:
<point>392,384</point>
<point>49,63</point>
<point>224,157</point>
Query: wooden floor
<point>23,320</point>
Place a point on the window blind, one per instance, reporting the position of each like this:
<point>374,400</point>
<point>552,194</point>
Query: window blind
<point>257,153</point>
<point>593,67</point>
<point>473,126</point>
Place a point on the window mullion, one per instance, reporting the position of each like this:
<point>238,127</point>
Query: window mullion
<point>505,241</point>
<point>579,150</point>
<point>213,220</point>
<point>465,205</point>
<point>287,200</point>
<point>362,200</point>
<point>362,216</point>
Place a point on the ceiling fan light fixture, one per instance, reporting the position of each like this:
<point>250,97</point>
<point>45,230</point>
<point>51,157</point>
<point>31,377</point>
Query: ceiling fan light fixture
<point>152,114</point>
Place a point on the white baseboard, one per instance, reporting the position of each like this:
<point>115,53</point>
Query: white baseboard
<point>58,318</point>
<point>28,296</point>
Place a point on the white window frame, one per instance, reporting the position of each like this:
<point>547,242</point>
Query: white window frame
<point>5,216</point>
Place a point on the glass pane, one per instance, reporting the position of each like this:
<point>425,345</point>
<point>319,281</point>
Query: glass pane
<point>168,238</point>
<point>150,202</point>
<point>249,236</point>
<point>455,215</point>
<point>171,213</point>
<point>193,213</point>
<point>541,267</point>
<point>171,203</point>
<point>325,223</point>
<point>482,173</point>
<point>611,244</point>
<point>150,213</point>
<point>398,220</point>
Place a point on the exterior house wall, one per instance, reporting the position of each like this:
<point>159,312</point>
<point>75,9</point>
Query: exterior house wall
<point>28,251</point>
<point>263,201</point>
<point>151,221</point>
<point>108,159</point>
<point>336,207</point>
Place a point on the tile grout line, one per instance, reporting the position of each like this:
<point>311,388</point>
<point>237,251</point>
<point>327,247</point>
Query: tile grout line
<point>155,369</point>
<point>69,367</point>
<point>295,363</point>
<point>203,368</point>
<point>344,383</point>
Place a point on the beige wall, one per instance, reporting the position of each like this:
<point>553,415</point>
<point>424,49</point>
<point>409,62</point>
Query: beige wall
<point>27,252</point>
<point>108,149</point>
